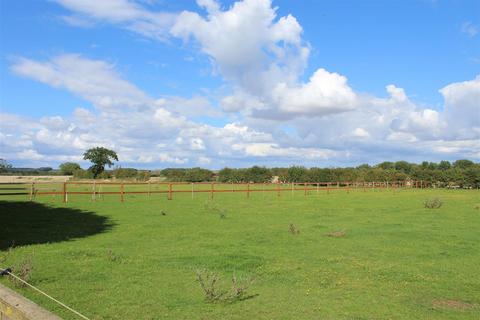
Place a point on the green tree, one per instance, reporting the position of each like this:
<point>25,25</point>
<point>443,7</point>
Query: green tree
<point>68,168</point>
<point>403,166</point>
<point>228,175</point>
<point>123,173</point>
<point>463,164</point>
<point>297,174</point>
<point>4,165</point>
<point>386,165</point>
<point>100,157</point>
<point>198,175</point>
<point>258,174</point>
<point>444,165</point>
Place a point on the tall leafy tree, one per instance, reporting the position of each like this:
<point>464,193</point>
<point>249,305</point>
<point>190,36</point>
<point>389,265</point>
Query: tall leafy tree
<point>100,157</point>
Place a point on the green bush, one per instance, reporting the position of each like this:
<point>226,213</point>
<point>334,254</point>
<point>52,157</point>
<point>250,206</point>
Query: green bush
<point>68,168</point>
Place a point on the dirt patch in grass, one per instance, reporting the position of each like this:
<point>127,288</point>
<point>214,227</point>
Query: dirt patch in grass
<point>452,304</point>
<point>336,234</point>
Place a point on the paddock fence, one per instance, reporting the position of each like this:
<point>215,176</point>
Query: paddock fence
<point>97,189</point>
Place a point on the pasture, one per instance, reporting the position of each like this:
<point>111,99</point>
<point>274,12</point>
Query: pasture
<point>373,254</point>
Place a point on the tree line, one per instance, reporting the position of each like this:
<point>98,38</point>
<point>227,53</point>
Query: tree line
<point>461,173</point>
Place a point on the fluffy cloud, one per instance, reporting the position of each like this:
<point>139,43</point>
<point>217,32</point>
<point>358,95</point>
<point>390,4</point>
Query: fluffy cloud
<point>325,93</point>
<point>462,104</point>
<point>248,45</point>
<point>94,80</point>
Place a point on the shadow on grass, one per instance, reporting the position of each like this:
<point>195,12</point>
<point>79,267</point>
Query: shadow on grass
<point>23,223</point>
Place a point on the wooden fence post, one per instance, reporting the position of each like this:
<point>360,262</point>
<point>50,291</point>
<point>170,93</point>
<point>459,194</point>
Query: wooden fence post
<point>32,190</point>
<point>211,191</point>
<point>121,192</point>
<point>248,190</point>
<point>170,193</point>
<point>304,188</point>
<point>64,192</point>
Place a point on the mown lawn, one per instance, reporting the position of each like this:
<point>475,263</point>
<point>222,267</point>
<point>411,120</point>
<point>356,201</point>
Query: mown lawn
<point>113,260</point>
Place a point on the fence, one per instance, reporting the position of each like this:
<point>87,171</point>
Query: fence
<point>122,189</point>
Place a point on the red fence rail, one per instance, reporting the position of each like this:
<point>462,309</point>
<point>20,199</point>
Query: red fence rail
<point>95,188</point>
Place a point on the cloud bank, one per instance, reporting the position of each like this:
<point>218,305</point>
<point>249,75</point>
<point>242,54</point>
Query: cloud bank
<point>279,119</point>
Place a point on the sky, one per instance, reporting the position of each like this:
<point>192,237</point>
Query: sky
<point>239,83</point>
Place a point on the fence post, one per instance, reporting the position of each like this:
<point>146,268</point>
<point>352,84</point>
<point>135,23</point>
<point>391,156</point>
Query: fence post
<point>192,190</point>
<point>32,190</point>
<point>121,192</point>
<point>278,189</point>
<point>211,191</point>
<point>94,198</point>
<point>248,190</point>
<point>318,185</point>
<point>304,188</point>
<point>149,189</point>
<point>170,191</point>
<point>64,192</point>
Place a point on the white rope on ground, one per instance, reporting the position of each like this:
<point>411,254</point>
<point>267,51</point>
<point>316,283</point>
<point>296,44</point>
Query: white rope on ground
<point>46,295</point>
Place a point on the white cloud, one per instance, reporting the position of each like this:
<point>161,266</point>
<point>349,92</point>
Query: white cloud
<point>325,93</point>
<point>274,150</point>
<point>248,45</point>
<point>128,14</point>
<point>469,29</point>
<point>361,133</point>
<point>462,104</point>
<point>94,80</point>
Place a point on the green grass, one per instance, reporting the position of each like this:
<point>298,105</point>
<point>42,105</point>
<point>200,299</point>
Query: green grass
<point>112,260</point>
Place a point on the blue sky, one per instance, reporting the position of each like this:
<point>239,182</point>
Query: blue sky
<point>187,83</point>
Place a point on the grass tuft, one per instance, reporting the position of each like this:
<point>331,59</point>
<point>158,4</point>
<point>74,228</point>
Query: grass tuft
<point>293,229</point>
<point>23,270</point>
<point>337,234</point>
<point>434,203</point>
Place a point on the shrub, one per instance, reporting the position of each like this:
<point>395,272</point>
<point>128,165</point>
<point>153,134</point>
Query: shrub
<point>209,282</point>
<point>212,207</point>
<point>293,229</point>
<point>83,174</point>
<point>433,203</point>
<point>123,173</point>
<point>112,256</point>
<point>214,290</point>
<point>23,270</point>
<point>68,168</point>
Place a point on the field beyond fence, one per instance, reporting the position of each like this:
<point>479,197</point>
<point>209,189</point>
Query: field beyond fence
<point>98,190</point>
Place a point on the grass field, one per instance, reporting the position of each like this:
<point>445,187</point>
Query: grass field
<point>138,259</point>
